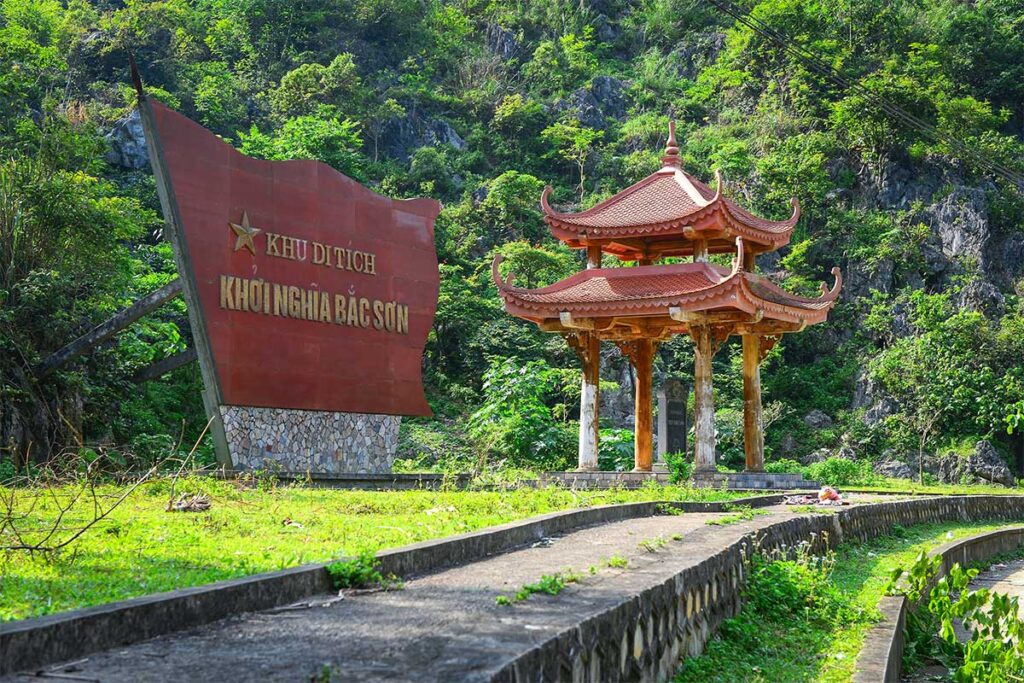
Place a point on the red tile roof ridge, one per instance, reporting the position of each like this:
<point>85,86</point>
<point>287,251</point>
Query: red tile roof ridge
<point>695,201</point>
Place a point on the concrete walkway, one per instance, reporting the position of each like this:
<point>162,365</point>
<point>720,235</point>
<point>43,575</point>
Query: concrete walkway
<point>1005,578</point>
<point>442,627</point>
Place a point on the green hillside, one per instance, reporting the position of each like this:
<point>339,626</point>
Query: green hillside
<point>481,104</point>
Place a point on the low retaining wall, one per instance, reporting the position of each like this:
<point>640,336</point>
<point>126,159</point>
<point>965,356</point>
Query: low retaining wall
<point>644,637</point>
<point>640,638</point>
<point>31,643</point>
<point>881,656</point>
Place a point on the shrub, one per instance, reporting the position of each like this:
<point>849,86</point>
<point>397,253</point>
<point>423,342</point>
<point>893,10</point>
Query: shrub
<point>358,572</point>
<point>784,466</point>
<point>7,470</point>
<point>842,472</point>
<point>615,450</point>
<point>680,467</point>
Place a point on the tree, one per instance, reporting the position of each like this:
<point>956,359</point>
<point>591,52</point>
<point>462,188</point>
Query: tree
<point>332,141</point>
<point>574,143</point>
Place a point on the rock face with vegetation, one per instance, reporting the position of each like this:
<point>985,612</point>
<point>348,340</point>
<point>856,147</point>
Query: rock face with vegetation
<point>481,105</point>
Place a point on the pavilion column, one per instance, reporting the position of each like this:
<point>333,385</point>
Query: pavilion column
<point>700,251</point>
<point>753,432</point>
<point>590,401</point>
<point>643,436</point>
<point>641,356</point>
<point>704,346</point>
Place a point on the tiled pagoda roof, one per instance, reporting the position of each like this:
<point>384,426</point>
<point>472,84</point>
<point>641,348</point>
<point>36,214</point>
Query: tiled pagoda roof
<point>658,290</point>
<point>668,203</point>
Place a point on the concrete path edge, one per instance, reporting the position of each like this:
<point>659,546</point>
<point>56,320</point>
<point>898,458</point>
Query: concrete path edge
<point>29,644</point>
<point>881,656</point>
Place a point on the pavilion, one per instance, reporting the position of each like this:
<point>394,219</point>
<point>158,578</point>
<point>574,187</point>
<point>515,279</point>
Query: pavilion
<point>668,214</point>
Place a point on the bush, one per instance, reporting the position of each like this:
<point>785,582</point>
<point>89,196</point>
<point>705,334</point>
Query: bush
<point>359,572</point>
<point>7,470</point>
<point>615,450</point>
<point>842,472</point>
<point>784,466</point>
<point>680,467</point>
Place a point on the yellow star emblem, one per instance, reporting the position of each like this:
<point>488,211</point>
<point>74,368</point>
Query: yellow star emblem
<point>245,233</point>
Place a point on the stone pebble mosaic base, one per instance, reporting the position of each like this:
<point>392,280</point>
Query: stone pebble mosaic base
<point>310,441</point>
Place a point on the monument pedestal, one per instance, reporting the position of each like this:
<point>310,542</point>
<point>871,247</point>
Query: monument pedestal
<point>297,441</point>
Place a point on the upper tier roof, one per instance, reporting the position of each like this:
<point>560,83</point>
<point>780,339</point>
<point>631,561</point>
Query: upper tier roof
<point>662,214</point>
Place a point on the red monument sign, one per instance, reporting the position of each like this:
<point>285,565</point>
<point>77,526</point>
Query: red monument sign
<point>305,290</point>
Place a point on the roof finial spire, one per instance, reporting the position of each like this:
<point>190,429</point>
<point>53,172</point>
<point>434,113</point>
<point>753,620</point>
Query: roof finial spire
<point>671,157</point>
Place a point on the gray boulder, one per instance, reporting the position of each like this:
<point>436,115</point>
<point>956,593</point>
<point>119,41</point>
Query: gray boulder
<point>983,465</point>
<point>128,143</point>
<point>983,297</point>
<point>502,42</point>
<point>594,105</point>
<point>403,135</point>
<point>815,456</point>
<point>846,453</point>
<point>895,469</point>
<point>817,419</point>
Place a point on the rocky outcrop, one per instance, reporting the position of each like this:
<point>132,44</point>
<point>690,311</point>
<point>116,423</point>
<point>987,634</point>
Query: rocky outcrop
<point>502,42</point>
<point>982,465</point>
<point>870,395</point>
<point>815,456</point>
<point>404,135</point>
<point>604,99</point>
<point>817,419</point>
<point>983,297</point>
<point>128,143</point>
<point>896,469</point>
<point>696,51</point>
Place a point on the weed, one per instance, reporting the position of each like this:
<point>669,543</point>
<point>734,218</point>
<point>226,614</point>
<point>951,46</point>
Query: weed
<point>741,513</point>
<point>616,562</point>
<point>550,584</point>
<point>677,537</point>
<point>653,545</point>
<point>362,571</point>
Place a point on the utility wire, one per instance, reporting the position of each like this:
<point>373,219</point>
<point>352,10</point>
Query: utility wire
<point>809,59</point>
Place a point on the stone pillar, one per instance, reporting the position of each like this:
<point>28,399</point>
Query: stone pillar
<point>643,437</point>
<point>753,433</point>
<point>662,426</point>
<point>672,426</point>
<point>703,399</point>
<point>590,401</point>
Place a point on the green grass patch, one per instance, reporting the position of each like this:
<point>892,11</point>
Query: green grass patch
<point>142,549</point>
<point>740,513</point>
<point>806,621</point>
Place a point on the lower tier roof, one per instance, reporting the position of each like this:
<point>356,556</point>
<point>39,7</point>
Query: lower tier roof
<point>671,292</point>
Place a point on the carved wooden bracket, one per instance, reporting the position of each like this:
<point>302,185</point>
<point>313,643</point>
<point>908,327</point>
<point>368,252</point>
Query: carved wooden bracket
<point>719,335</point>
<point>767,342</point>
<point>636,351</point>
<point>577,341</point>
<point>716,335</point>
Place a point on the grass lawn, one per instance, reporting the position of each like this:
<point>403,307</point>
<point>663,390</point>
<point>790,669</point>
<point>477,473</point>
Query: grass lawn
<point>790,646</point>
<point>140,548</point>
